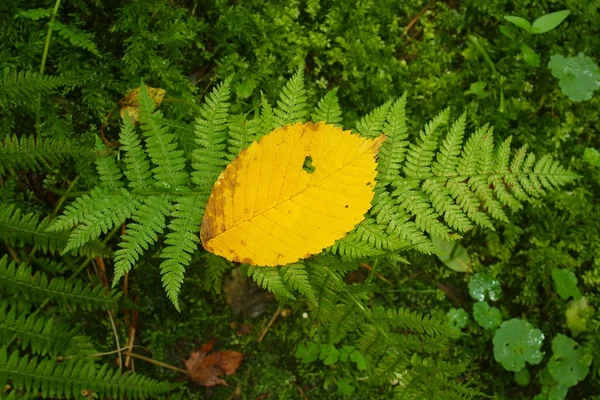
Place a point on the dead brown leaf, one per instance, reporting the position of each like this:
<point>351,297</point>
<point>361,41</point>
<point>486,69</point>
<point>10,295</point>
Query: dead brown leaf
<point>205,369</point>
<point>246,297</point>
<point>130,104</point>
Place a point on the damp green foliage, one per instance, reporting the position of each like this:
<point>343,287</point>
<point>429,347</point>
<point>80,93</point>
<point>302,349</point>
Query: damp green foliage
<point>485,209</point>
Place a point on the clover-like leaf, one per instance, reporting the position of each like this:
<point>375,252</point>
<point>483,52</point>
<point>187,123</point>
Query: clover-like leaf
<point>565,282</point>
<point>457,318</point>
<point>568,364</point>
<point>578,77</point>
<point>487,317</point>
<point>483,284</point>
<point>517,342</point>
<point>307,352</point>
<point>522,377</point>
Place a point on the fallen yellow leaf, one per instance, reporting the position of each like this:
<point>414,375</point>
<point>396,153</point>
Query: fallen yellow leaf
<point>291,194</point>
<point>130,104</point>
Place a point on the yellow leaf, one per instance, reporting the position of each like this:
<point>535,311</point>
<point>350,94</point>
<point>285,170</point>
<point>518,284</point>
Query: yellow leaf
<point>130,104</point>
<point>291,194</point>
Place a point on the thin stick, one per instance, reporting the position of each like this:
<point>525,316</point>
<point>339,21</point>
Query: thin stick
<point>418,16</point>
<point>13,254</point>
<point>377,274</point>
<point>273,318</point>
<point>114,328</point>
<point>152,361</point>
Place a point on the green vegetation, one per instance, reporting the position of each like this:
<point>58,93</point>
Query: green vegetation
<point>475,273</point>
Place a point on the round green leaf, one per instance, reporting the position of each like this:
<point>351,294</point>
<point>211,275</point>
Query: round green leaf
<point>487,317</point>
<point>578,77</point>
<point>568,364</point>
<point>483,285</point>
<point>565,282</point>
<point>517,342</point>
<point>522,377</point>
<point>457,318</point>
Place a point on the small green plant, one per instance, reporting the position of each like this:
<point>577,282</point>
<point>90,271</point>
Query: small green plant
<point>543,24</point>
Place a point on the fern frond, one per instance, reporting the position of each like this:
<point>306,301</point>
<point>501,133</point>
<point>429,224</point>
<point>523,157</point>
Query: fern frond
<point>137,167</point>
<point>18,229</point>
<point>296,277</point>
<point>211,135</point>
<point>241,134</point>
<point>149,222</point>
<point>421,153</point>
<point>268,121</point>
<point>109,172</point>
<point>328,109</point>
<point>161,145</point>
<point>270,279</point>
<point>345,318</point>
<point>21,88</point>
<point>292,106</point>
<point>216,267</point>
<point>447,158</point>
<point>371,125</point>
<point>30,154</point>
<point>40,334</point>
<point>393,149</point>
<point>94,214</point>
<point>54,379</point>
<point>406,319</point>
<point>77,37</point>
<point>37,287</point>
<point>181,242</point>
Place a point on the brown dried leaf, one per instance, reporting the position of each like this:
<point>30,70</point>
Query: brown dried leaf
<point>130,104</point>
<point>205,369</point>
<point>244,296</point>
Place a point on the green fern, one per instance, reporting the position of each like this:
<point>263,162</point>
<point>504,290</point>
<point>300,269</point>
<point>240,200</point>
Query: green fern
<point>76,37</point>
<point>211,135</point>
<point>328,109</point>
<point>161,145</point>
<point>94,214</point>
<point>53,379</point>
<point>21,88</point>
<point>271,280</point>
<point>39,334</point>
<point>20,281</point>
<point>18,230</point>
<point>30,154</point>
<point>292,106</point>
<point>149,223</point>
<point>241,134</point>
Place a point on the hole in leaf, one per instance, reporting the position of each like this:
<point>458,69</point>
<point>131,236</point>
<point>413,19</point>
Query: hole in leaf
<point>307,166</point>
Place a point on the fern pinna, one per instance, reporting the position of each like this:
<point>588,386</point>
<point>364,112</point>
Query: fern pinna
<point>435,185</point>
<point>40,354</point>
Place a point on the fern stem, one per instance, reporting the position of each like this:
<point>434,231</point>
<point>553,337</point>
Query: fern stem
<point>64,197</point>
<point>43,63</point>
<point>155,362</point>
<point>359,305</point>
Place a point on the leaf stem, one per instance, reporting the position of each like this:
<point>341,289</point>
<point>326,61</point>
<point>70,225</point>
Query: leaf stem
<point>43,63</point>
